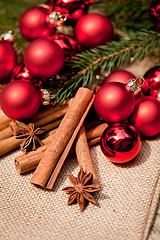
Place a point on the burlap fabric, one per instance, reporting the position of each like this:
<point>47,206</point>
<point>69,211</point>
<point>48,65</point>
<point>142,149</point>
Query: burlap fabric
<point>126,203</point>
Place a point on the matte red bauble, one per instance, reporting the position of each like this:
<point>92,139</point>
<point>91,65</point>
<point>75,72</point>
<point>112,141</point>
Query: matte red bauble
<point>120,142</point>
<point>146,116</point>
<point>20,100</point>
<point>73,9</point>
<point>8,60</point>
<point>93,29</point>
<point>152,81</point>
<point>154,13</point>
<point>119,76</point>
<point>68,44</point>
<point>44,58</point>
<point>35,23</point>
<point>114,102</point>
<point>20,72</point>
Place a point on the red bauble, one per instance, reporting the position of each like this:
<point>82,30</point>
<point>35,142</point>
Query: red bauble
<point>73,9</point>
<point>152,81</point>
<point>68,44</point>
<point>120,142</point>
<point>93,29</point>
<point>20,100</point>
<point>8,60</point>
<point>119,76</point>
<point>114,102</point>
<point>35,23</point>
<point>44,58</point>
<point>20,72</point>
<point>146,116</point>
<point>154,13</point>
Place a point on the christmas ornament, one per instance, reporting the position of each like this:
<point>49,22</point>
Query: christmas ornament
<point>154,13</point>
<point>68,44</point>
<point>115,101</point>
<point>122,76</point>
<point>20,72</point>
<point>73,9</point>
<point>151,85</point>
<point>93,29</point>
<point>8,37</point>
<point>146,116</point>
<point>119,76</point>
<point>120,142</point>
<point>38,22</point>
<point>8,60</point>
<point>20,100</point>
<point>44,58</point>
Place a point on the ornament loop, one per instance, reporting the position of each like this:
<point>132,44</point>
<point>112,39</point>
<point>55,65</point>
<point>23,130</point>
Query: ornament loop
<point>57,18</point>
<point>140,81</point>
<point>135,84</point>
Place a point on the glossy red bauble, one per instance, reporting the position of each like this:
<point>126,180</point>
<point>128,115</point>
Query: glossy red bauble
<point>93,29</point>
<point>8,60</point>
<point>35,23</point>
<point>152,81</point>
<point>154,13</point>
<point>120,142</point>
<point>68,44</point>
<point>146,116</point>
<point>20,100</point>
<point>44,58</point>
<point>114,102</point>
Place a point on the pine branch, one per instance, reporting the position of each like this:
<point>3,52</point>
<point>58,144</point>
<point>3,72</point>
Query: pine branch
<point>138,46</point>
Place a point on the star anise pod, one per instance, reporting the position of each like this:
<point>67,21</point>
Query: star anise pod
<point>29,133</point>
<point>82,189</point>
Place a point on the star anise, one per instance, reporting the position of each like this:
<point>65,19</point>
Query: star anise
<point>82,189</point>
<point>29,133</point>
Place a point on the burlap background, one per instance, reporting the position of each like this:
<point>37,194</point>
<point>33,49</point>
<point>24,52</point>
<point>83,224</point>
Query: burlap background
<point>126,203</point>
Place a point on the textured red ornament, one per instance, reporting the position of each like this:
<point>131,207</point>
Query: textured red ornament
<point>73,9</point>
<point>20,72</point>
<point>8,60</point>
<point>155,13</point>
<point>20,100</point>
<point>93,29</point>
<point>120,142</point>
<point>151,85</point>
<point>69,45</point>
<point>44,58</point>
<point>114,102</point>
<point>35,23</point>
<point>146,116</point>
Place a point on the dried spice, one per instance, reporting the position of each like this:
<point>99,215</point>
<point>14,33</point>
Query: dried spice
<point>82,189</point>
<point>29,134</point>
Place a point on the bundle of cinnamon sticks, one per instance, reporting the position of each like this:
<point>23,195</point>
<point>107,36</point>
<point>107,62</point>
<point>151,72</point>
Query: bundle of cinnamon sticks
<point>64,125</point>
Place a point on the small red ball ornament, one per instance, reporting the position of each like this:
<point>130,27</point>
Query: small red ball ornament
<point>152,81</point>
<point>20,72</point>
<point>44,58</point>
<point>114,102</point>
<point>146,116</point>
<point>119,76</point>
<point>8,60</point>
<point>93,29</point>
<point>35,23</point>
<point>120,142</point>
<point>20,100</point>
<point>68,44</point>
<point>154,13</point>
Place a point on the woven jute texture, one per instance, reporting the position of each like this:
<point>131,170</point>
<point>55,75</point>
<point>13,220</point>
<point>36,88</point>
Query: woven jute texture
<point>126,203</point>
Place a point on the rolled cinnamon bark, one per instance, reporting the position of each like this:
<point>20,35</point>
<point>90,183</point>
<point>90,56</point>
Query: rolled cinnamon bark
<point>8,144</point>
<point>83,155</point>
<point>62,136</point>
<point>30,161</point>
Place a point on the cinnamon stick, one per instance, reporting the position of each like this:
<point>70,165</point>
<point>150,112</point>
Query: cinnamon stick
<point>30,161</point>
<point>83,155</point>
<point>62,137</point>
